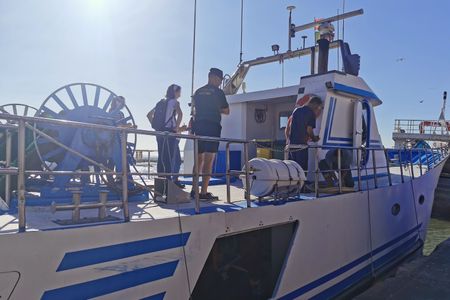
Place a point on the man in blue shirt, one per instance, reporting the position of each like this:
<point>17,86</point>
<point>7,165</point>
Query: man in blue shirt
<point>303,124</point>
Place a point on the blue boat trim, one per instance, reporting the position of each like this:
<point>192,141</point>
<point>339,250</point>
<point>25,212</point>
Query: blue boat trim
<point>159,296</point>
<point>365,272</point>
<point>111,284</point>
<point>355,91</point>
<point>318,282</point>
<point>87,257</point>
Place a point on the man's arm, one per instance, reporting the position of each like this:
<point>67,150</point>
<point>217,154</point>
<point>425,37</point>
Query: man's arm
<point>224,107</point>
<point>287,130</point>
<point>310,132</point>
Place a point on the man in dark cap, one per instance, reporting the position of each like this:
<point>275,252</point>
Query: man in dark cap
<point>209,103</point>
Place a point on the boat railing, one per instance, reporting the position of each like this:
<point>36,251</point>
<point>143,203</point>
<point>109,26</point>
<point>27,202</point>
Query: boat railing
<point>430,127</point>
<point>404,159</point>
<point>20,124</point>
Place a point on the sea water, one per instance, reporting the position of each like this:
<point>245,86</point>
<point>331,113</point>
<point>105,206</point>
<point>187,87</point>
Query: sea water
<point>438,231</point>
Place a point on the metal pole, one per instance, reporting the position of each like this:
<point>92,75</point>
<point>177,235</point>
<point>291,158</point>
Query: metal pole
<point>313,60</point>
<point>242,30</point>
<point>339,170</point>
<point>76,198</point>
<point>358,165</point>
<point>420,161</point>
<point>401,167</point>
<point>247,175</point>
<point>21,176</point>
<point>387,167</point>
<point>316,179</point>
<point>123,140</point>
<point>193,47</point>
<point>411,163</point>
<point>195,181</point>
<point>149,165</point>
<point>428,160</point>
<point>8,164</point>
<point>375,181</point>
<point>227,171</point>
<point>286,152</point>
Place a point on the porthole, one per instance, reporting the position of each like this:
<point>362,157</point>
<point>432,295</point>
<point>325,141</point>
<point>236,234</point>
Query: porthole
<point>395,209</point>
<point>421,199</point>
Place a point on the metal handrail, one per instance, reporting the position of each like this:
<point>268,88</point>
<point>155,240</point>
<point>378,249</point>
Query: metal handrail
<point>22,123</point>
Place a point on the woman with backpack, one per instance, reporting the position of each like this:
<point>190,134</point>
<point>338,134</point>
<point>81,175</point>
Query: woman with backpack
<point>166,117</point>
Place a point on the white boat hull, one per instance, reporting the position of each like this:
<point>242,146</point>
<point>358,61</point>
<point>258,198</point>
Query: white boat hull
<point>339,241</point>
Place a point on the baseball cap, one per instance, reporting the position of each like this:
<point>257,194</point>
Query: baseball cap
<point>217,72</point>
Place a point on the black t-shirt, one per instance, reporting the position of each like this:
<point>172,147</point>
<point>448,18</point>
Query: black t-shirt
<point>208,102</point>
<point>302,117</point>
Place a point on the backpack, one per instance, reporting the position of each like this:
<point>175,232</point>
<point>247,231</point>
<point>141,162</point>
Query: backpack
<point>158,118</point>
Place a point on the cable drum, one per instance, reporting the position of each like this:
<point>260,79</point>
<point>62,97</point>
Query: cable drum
<point>269,175</point>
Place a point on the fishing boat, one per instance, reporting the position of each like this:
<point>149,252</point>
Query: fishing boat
<point>83,222</point>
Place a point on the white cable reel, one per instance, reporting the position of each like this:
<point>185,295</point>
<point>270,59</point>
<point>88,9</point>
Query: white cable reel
<point>269,175</point>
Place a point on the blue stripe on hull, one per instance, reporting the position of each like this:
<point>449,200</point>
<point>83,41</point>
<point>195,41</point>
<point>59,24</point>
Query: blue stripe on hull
<point>111,284</point>
<point>366,271</point>
<point>314,284</point>
<point>155,297</point>
<point>94,256</point>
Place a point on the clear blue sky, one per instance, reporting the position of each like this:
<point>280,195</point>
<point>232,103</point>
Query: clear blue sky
<point>137,48</point>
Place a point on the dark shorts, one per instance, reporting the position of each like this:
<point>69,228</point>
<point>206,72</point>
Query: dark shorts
<point>206,128</point>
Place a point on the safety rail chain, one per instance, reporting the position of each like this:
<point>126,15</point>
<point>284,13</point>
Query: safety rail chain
<point>421,126</point>
<point>19,124</point>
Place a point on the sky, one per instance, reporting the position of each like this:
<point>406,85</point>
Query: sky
<point>137,48</point>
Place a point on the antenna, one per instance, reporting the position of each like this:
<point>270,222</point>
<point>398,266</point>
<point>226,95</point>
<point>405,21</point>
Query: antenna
<point>343,21</point>
<point>242,29</point>
<point>338,49</point>
<point>291,32</point>
<point>193,47</point>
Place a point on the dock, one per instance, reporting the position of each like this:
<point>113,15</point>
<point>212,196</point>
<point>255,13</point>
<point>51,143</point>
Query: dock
<point>426,277</point>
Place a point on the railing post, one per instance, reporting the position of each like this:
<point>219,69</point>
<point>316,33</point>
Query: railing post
<point>358,166</point>
<point>387,167</point>
<point>401,166</point>
<point>339,170</point>
<point>149,164</point>
<point>411,163</point>
<point>21,176</point>
<point>227,172</point>
<point>375,180</point>
<point>286,152</point>
<point>247,175</point>
<point>8,165</point>
<point>123,140</point>
<point>428,160</point>
<point>316,177</point>
<point>420,161</point>
<point>195,181</point>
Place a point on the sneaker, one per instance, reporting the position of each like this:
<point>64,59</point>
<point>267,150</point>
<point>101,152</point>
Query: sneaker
<point>208,197</point>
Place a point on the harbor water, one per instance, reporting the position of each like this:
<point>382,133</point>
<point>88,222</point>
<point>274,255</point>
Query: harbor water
<point>438,231</point>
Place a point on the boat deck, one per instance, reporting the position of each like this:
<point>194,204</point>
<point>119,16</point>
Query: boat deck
<point>42,217</point>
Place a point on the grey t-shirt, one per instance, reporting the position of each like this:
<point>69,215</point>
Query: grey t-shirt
<point>171,113</point>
